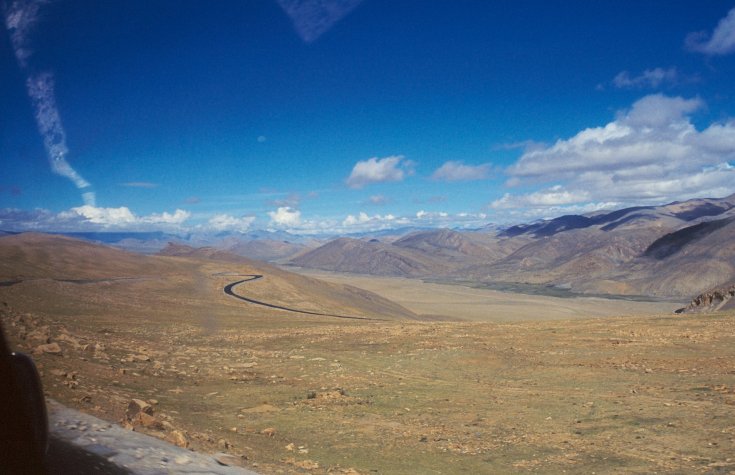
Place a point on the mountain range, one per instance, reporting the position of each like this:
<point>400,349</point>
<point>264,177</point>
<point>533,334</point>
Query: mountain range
<point>675,250</point>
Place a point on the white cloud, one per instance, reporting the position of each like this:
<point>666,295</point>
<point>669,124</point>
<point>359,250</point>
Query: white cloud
<point>90,218</point>
<point>652,78</point>
<point>225,222</point>
<point>363,218</point>
<point>649,153</point>
<point>517,215</point>
<point>721,42</point>
<point>554,196</point>
<point>178,217</point>
<point>122,217</point>
<point>378,170</point>
<point>458,171</point>
<point>20,18</point>
<point>285,217</point>
<point>107,216</point>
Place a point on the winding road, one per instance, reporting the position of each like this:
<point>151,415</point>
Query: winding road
<point>229,290</point>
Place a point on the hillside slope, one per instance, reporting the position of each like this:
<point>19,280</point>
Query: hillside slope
<point>65,275</point>
<point>294,290</point>
<point>371,257</point>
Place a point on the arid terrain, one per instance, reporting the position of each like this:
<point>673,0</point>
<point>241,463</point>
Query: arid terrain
<point>404,391</point>
<point>444,301</point>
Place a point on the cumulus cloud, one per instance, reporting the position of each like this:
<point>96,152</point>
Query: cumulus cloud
<point>177,217</point>
<point>651,152</point>
<point>89,218</point>
<point>720,42</point>
<point>458,171</point>
<point>123,217</point>
<point>226,222</point>
<point>285,217</point>
<point>106,216</point>
<point>378,170</point>
<point>650,78</point>
<point>363,222</point>
<point>554,196</point>
<point>363,218</point>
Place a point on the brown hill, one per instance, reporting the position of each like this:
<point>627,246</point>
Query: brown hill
<point>371,257</point>
<point>265,249</point>
<point>53,270</point>
<point>460,247</point>
<point>35,255</point>
<point>296,291</point>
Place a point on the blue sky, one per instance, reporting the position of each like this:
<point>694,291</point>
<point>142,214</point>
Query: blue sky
<point>370,114</point>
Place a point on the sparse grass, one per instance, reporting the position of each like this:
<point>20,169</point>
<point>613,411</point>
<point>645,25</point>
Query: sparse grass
<point>607,395</point>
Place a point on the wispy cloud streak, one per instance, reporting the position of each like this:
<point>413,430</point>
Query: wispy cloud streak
<point>20,18</point>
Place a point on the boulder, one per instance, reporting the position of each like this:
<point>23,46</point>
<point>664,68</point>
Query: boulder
<point>138,406</point>
<point>179,438</point>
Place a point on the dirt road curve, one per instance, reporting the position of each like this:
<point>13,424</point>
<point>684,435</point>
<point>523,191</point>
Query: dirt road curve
<point>229,291</point>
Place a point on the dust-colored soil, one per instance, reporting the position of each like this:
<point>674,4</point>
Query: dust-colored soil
<point>485,305</point>
<point>308,394</point>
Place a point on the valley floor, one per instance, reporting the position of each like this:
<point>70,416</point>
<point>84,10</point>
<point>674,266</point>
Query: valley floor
<point>437,300</point>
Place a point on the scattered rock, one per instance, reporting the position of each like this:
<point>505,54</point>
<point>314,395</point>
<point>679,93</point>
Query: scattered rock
<point>69,339</point>
<point>137,406</point>
<point>268,432</point>
<point>306,464</point>
<point>50,348</point>
<point>223,444</point>
<point>179,438</point>
<point>146,420</point>
<point>42,334</point>
<point>229,459</point>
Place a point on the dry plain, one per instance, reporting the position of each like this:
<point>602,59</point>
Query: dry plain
<point>436,300</point>
<point>294,393</point>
